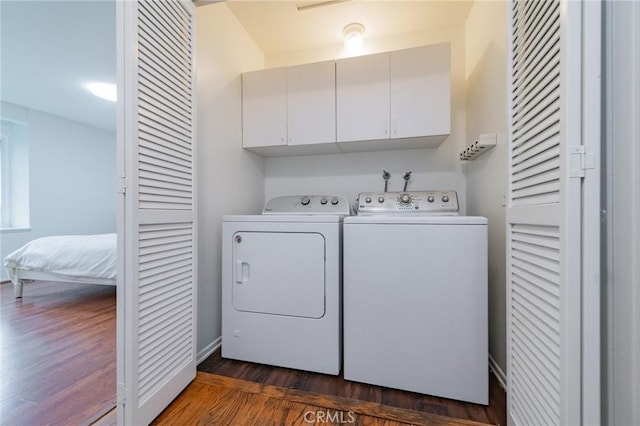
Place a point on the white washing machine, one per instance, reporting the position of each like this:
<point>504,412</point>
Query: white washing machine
<point>415,295</point>
<point>282,284</point>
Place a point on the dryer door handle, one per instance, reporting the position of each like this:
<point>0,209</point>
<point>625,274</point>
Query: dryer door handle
<point>241,271</point>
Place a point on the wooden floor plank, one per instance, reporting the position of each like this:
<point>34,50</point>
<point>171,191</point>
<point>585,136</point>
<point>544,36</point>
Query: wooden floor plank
<point>323,400</point>
<point>220,400</point>
<point>58,353</point>
<point>58,367</point>
<point>494,413</point>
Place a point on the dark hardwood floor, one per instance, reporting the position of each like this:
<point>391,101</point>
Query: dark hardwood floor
<point>58,363</point>
<point>57,352</point>
<point>219,400</point>
<point>494,413</point>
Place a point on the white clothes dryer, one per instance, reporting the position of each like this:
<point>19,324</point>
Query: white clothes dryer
<point>415,295</point>
<point>282,284</point>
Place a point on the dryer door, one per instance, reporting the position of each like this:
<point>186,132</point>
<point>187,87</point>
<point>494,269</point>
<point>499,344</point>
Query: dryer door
<point>279,273</point>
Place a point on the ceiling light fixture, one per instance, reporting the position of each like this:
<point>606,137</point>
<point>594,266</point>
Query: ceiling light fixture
<point>353,37</point>
<point>106,91</point>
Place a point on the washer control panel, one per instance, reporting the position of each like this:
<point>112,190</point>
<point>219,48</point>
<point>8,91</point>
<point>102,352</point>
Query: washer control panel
<point>307,204</point>
<point>409,202</point>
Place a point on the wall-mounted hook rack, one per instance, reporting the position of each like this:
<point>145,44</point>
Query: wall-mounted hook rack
<point>477,148</point>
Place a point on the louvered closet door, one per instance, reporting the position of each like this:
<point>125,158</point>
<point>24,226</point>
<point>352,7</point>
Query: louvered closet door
<point>544,214</point>
<point>157,343</point>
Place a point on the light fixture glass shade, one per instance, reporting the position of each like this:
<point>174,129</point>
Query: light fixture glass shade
<point>106,91</point>
<point>353,37</point>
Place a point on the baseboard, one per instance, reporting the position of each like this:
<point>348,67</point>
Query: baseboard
<point>497,371</point>
<point>208,350</point>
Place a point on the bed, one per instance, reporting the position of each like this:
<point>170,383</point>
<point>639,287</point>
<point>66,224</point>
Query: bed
<point>88,259</point>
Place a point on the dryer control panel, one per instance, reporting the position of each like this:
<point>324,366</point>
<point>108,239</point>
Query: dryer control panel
<point>409,202</point>
<point>307,204</point>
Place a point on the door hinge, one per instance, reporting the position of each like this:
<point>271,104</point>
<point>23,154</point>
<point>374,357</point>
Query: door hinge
<point>122,394</point>
<point>123,184</point>
<point>579,161</point>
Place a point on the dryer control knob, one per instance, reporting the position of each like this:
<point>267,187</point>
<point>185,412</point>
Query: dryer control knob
<point>334,201</point>
<point>305,200</point>
<point>368,199</point>
<point>381,199</point>
<point>323,201</point>
<point>445,198</point>
<point>405,199</point>
<point>430,199</point>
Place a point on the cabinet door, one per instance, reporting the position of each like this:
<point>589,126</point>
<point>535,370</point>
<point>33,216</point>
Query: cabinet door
<point>363,98</point>
<point>420,90</point>
<point>311,103</point>
<point>264,108</point>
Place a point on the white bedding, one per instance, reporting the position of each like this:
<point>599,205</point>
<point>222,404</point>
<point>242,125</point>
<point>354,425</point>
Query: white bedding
<point>69,256</point>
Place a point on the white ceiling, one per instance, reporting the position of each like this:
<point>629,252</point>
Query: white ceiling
<point>278,26</point>
<point>50,49</point>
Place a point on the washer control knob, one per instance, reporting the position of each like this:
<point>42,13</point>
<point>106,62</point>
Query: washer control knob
<point>368,199</point>
<point>323,201</point>
<point>381,199</point>
<point>430,199</point>
<point>334,201</point>
<point>445,198</point>
<point>405,199</point>
<point>305,200</point>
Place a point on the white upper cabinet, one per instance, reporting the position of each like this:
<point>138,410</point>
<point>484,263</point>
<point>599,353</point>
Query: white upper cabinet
<point>385,101</point>
<point>287,107</point>
<point>264,108</point>
<point>311,96</point>
<point>394,100</point>
<point>420,91</point>
<point>362,85</point>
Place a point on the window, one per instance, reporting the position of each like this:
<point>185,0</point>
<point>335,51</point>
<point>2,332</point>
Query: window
<point>14,176</point>
<point>5,179</point>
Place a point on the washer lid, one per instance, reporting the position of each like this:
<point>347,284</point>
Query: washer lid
<point>284,218</point>
<point>416,220</point>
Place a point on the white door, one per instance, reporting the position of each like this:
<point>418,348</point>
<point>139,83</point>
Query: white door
<point>279,273</point>
<point>548,348</point>
<point>157,214</point>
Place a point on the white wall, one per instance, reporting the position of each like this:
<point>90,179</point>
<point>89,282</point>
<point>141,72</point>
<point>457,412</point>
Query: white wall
<point>230,179</point>
<point>486,62</point>
<point>72,177</point>
<point>348,174</point>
